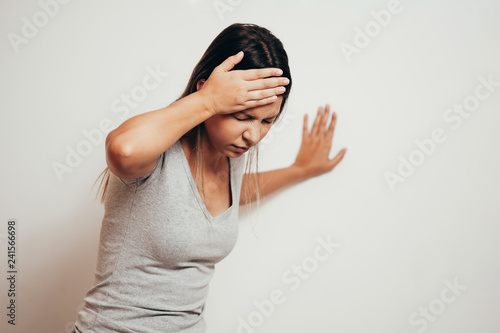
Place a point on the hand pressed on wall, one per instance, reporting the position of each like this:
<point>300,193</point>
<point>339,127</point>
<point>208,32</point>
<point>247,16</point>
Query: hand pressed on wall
<point>312,157</point>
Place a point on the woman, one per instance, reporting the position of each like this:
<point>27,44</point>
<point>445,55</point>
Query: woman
<point>175,183</point>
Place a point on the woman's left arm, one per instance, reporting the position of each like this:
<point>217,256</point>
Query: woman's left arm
<point>311,161</point>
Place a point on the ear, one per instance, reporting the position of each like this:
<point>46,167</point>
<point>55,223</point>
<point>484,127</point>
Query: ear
<point>200,84</point>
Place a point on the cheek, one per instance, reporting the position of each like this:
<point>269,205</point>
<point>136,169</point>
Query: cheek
<point>213,128</point>
<point>225,128</point>
<point>265,129</point>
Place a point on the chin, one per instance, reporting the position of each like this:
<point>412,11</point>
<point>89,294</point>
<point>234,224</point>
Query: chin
<point>235,154</point>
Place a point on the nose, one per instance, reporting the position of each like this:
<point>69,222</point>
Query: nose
<point>252,135</point>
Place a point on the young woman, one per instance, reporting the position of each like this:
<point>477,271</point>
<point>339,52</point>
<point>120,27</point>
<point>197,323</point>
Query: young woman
<point>176,180</point>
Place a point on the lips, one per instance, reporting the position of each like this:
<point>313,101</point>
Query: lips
<point>243,149</point>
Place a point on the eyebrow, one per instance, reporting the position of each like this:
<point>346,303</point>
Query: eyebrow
<point>250,116</point>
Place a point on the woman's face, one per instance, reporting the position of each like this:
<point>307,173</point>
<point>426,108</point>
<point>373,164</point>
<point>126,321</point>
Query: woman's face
<point>244,128</point>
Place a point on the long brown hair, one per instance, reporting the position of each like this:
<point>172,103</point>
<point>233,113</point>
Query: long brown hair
<point>261,50</point>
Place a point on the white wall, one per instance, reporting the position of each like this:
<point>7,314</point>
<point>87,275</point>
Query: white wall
<point>399,247</point>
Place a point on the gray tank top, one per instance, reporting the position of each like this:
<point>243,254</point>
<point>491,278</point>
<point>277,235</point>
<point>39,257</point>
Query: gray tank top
<point>157,249</point>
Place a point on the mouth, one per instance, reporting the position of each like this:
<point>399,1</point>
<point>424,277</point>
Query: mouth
<point>241,149</point>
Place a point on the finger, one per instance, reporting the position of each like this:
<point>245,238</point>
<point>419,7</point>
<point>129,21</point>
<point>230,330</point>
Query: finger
<point>260,94</point>
<point>315,128</point>
<point>305,132</point>
<point>331,128</point>
<point>324,119</point>
<point>271,82</point>
<point>336,160</point>
<point>258,102</point>
<point>230,62</point>
<point>259,73</point>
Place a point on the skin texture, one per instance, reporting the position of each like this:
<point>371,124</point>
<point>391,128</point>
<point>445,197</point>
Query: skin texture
<point>243,128</point>
<point>227,91</point>
<point>312,159</point>
<point>234,106</point>
<point>223,130</point>
<point>133,148</point>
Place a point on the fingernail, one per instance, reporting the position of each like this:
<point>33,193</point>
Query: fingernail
<point>279,72</point>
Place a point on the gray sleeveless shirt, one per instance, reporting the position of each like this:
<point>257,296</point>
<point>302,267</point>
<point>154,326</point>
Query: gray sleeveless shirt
<point>157,249</point>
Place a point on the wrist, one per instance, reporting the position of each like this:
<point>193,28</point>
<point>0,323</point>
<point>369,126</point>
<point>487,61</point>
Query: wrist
<point>204,103</point>
<point>299,172</point>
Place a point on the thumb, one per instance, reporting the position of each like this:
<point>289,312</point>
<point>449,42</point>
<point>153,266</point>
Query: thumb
<point>336,160</point>
<point>230,62</point>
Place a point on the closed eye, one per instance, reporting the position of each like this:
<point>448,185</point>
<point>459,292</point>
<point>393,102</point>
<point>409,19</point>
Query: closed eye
<point>240,119</point>
<point>266,121</point>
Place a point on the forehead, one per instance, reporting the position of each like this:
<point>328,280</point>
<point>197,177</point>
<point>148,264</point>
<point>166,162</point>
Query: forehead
<point>265,111</point>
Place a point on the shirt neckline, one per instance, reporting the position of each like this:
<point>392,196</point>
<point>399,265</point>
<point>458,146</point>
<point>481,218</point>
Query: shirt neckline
<point>201,203</point>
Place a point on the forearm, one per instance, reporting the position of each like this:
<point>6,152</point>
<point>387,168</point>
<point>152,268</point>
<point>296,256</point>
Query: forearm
<point>144,137</point>
<point>269,182</point>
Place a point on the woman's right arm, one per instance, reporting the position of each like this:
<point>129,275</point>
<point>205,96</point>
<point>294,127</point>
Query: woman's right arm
<point>133,148</point>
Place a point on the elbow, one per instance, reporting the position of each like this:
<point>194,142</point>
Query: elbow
<point>117,156</point>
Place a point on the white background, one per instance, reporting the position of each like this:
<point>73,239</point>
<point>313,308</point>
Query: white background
<point>397,247</point>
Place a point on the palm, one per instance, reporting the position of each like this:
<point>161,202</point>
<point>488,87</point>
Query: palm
<point>312,157</point>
